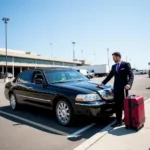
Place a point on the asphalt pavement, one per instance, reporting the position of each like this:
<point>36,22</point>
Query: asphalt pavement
<point>31,128</point>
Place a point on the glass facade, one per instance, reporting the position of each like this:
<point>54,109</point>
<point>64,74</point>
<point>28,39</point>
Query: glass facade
<point>58,63</point>
<point>44,62</point>
<point>68,64</point>
<point>3,58</point>
<point>24,60</point>
<point>34,61</point>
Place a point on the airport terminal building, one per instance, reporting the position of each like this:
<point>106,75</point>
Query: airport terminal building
<point>21,60</point>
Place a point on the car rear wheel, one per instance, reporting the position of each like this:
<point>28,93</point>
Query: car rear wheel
<point>64,112</point>
<point>13,102</point>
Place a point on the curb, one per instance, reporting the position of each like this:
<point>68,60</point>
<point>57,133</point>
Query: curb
<point>88,143</point>
<point>91,141</point>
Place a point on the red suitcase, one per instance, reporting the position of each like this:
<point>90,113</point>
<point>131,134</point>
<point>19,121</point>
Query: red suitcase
<point>134,112</point>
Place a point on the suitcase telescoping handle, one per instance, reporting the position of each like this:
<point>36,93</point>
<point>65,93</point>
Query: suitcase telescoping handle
<point>125,94</point>
<point>131,96</point>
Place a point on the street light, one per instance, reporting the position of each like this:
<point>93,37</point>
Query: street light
<point>108,57</point>
<point>81,54</point>
<point>73,51</point>
<point>51,49</point>
<point>94,58</point>
<point>126,58</point>
<point>6,21</point>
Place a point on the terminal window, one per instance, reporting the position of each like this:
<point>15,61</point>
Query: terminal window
<point>3,58</point>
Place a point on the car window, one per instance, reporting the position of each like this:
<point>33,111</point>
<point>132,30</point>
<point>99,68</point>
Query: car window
<point>55,76</point>
<point>25,77</point>
<point>37,75</point>
<point>74,75</point>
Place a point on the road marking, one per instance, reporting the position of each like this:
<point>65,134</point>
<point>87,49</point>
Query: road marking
<point>147,100</point>
<point>35,123</point>
<point>88,143</point>
<point>77,133</point>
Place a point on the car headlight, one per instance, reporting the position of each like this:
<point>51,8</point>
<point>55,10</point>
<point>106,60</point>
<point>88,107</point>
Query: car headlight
<point>87,97</point>
<point>106,94</point>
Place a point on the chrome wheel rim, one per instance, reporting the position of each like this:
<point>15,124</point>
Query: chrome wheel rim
<point>13,102</point>
<point>63,113</point>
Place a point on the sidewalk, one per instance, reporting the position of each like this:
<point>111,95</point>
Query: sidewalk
<point>120,138</point>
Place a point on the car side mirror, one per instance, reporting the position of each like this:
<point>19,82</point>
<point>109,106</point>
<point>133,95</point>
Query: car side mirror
<point>38,81</point>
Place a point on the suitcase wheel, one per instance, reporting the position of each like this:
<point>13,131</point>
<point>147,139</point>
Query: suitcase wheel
<point>137,129</point>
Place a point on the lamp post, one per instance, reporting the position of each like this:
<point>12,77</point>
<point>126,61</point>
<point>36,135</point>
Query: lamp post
<point>94,58</point>
<point>108,57</point>
<point>51,49</point>
<point>81,54</point>
<point>126,58</point>
<point>6,21</point>
<point>73,52</point>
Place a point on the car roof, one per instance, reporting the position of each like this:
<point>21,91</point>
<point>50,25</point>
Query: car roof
<point>52,68</point>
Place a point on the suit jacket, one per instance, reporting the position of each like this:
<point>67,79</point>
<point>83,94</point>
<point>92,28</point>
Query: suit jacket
<point>123,77</point>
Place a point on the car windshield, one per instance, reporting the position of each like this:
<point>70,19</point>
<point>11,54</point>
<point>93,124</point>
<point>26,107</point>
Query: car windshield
<point>61,76</point>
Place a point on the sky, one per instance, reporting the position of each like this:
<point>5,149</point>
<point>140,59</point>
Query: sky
<point>94,26</point>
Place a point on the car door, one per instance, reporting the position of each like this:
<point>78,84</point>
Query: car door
<point>42,95</point>
<point>23,86</point>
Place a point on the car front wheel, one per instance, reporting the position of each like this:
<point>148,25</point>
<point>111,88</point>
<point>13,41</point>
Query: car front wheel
<point>64,112</point>
<point>13,102</point>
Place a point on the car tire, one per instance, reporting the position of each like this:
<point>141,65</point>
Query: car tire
<point>13,102</point>
<point>64,112</point>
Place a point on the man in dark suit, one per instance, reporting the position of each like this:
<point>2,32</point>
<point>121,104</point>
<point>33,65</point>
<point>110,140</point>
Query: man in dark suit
<point>123,79</point>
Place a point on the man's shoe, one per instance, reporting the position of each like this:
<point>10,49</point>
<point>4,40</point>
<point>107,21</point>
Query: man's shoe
<point>116,124</point>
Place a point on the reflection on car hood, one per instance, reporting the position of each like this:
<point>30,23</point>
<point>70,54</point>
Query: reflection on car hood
<point>83,86</point>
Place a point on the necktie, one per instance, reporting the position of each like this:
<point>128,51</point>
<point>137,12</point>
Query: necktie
<point>117,68</point>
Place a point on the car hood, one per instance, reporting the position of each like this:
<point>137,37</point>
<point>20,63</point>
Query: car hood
<point>82,86</point>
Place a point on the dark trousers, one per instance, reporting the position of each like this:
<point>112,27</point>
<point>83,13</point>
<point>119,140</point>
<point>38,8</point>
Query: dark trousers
<point>119,100</point>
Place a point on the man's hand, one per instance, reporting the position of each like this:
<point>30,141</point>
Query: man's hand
<point>127,87</point>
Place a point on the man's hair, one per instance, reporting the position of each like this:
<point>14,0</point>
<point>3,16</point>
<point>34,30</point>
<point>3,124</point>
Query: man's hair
<point>117,54</point>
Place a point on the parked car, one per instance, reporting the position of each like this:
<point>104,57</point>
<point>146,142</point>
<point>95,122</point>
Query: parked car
<point>4,75</point>
<point>91,73</point>
<point>65,91</point>
<point>9,75</point>
<point>145,71</point>
<point>138,72</point>
<point>84,72</point>
<point>149,73</point>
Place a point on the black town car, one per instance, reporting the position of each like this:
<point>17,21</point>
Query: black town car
<point>63,90</point>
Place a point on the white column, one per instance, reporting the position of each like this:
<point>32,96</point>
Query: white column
<point>20,69</point>
<point>13,73</point>
<point>3,69</point>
